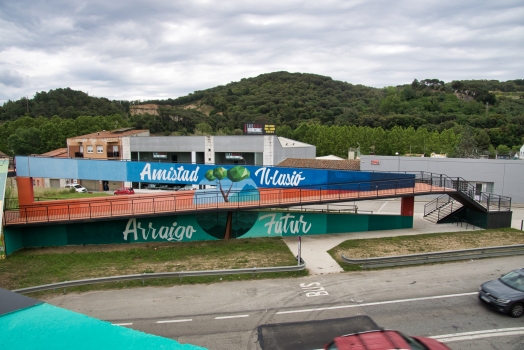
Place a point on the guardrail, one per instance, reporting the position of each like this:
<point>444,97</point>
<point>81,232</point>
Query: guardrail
<point>450,255</point>
<point>146,276</point>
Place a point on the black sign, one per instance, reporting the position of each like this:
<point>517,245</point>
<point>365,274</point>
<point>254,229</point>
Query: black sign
<point>259,129</point>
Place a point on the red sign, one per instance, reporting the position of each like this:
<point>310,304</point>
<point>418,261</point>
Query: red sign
<point>375,162</point>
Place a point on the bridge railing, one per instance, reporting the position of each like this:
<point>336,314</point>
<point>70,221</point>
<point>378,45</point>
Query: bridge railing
<point>177,202</point>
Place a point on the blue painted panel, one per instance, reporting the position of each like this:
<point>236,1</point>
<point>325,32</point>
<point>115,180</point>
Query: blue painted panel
<point>22,166</point>
<point>234,176</point>
<point>50,168</point>
<point>343,176</point>
<point>90,169</point>
<point>263,177</point>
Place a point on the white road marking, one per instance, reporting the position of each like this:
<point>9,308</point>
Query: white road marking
<point>376,303</point>
<point>448,338</point>
<point>383,205</point>
<point>174,321</point>
<point>121,324</point>
<point>225,317</point>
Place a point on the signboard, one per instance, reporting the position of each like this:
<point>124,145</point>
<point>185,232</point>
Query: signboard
<point>160,155</point>
<point>375,162</point>
<point>259,129</point>
<point>234,156</point>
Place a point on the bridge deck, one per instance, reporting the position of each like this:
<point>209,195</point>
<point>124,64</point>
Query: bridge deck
<point>191,201</point>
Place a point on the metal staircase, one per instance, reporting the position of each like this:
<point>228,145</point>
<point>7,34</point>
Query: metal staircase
<point>466,195</point>
<point>444,207</point>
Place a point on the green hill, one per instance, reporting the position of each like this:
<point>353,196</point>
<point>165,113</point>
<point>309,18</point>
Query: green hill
<point>493,110</point>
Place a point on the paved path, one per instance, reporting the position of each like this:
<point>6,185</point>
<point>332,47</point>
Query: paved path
<point>314,248</point>
<point>318,261</point>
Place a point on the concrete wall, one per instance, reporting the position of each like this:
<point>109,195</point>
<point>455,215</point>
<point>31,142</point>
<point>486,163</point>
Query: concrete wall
<point>506,175</point>
<point>167,144</point>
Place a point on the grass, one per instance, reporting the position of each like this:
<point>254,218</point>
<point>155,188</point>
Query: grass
<point>32,267</point>
<point>46,194</point>
<point>60,193</point>
<point>435,242</point>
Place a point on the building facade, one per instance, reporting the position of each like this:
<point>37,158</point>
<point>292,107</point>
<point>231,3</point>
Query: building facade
<point>263,150</point>
<point>502,177</point>
<point>103,145</point>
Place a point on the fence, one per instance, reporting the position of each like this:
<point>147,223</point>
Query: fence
<point>214,200</point>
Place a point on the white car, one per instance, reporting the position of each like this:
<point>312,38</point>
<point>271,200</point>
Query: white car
<point>77,187</point>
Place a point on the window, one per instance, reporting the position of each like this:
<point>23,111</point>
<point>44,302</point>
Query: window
<point>89,149</point>
<point>99,149</point>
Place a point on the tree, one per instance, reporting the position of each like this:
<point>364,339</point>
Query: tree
<point>26,141</point>
<point>235,174</point>
<point>467,146</point>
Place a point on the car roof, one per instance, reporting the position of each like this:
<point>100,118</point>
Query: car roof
<point>372,340</point>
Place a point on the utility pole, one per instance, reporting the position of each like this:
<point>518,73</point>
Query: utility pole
<point>27,104</point>
<point>487,108</point>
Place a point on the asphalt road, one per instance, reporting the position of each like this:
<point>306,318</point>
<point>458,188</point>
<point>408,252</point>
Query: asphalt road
<point>434,300</point>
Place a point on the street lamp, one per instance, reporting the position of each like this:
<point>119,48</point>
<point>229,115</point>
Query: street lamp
<point>398,162</point>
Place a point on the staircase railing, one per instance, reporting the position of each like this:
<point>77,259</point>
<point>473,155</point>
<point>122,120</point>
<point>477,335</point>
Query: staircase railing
<point>436,204</point>
<point>490,201</point>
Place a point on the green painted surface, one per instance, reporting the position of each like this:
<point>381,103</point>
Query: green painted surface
<point>340,223</point>
<point>49,327</point>
<point>4,167</point>
<point>13,239</point>
<point>47,235</point>
<point>205,226</point>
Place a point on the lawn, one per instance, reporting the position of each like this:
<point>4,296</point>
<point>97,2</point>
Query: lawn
<point>435,242</point>
<point>47,194</point>
<point>32,267</point>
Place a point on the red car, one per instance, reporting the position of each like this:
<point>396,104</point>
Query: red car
<point>125,190</point>
<point>383,339</point>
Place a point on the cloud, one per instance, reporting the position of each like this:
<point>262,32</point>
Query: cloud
<point>10,78</point>
<point>158,49</point>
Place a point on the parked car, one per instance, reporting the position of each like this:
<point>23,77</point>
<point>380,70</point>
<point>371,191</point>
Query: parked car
<point>505,294</point>
<point>125,190</point>
<point>77,187</point>
<point>383,339</point>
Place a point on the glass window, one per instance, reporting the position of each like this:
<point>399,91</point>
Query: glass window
<point>99,149</point>
<point>514,280</point>
<point>89,149</point>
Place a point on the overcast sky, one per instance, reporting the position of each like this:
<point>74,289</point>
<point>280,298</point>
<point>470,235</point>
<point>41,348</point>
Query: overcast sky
<point>136,50</point>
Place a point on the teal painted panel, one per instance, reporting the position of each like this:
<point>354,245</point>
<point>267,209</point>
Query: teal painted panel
<point>179,228</point>
<point>271,224</point>
<point>101,232</point>
<point>204,226</point>
<point>13,239</point>
<point>407,222</point>
<point>340,223</point>
<point>385,222</point>
<point>44,236</point>
<point>49,327</point>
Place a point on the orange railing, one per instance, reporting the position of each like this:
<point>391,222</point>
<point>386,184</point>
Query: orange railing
<point>191,201</point>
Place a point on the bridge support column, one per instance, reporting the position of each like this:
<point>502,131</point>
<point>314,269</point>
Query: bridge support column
<point>26,195</point>
<point>407,206</point>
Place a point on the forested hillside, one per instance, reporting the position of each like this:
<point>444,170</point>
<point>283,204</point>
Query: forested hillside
<point>461,118</point>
